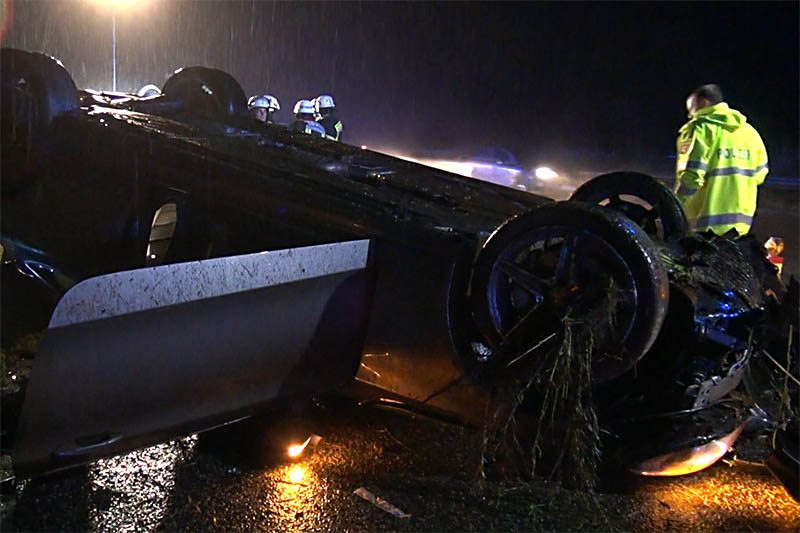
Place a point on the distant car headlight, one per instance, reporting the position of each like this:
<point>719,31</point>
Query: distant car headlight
<point>545,173</point>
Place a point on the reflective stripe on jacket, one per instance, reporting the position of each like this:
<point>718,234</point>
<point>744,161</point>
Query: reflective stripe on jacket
<point>315,128</point>
<point>312,127</point>
<point>721,162</point>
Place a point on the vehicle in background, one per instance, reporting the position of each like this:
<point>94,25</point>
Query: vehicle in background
<point>492,164</point>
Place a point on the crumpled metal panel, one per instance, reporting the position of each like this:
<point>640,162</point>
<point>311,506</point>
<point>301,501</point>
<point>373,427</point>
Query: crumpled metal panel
<point>728,266</point>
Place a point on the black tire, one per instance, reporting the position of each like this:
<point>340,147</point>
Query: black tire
<point>31,79</point>
<point>565,259</point>
<point>35,89</point>
<point>206,92</point>
<point>663,220</point>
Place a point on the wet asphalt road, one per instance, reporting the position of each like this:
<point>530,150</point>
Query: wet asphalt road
<point>423,468</point>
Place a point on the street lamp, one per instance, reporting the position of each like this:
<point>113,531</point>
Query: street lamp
<point>114,50</point>
<point>115,6</point>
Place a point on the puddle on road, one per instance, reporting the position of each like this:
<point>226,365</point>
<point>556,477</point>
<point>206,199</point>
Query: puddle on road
<point>132,492</point>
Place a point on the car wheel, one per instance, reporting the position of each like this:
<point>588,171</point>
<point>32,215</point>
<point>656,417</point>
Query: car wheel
<point>35,88</point>
<point>207,92</point>
<point>641,198</point>
<point>570,259</point>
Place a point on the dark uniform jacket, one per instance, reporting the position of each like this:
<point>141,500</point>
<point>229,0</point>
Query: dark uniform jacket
<point>333,126</point>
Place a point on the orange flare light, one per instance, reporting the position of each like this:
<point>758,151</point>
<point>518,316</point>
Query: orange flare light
<point>688,461</point>
<point>297,474</point>
<point>295,450</point>
<point>774,245</point>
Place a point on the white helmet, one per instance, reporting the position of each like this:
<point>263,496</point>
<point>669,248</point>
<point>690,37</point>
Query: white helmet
<point>323,101</point>
<point>274,105</point>
<point>149,90</point>
<point>304,107</point>
<point>267,101</point>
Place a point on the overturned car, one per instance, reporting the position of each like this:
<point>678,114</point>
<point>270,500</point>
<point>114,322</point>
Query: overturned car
<point>193,267</point>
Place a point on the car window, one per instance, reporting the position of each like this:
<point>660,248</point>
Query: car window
<point>161,231</point>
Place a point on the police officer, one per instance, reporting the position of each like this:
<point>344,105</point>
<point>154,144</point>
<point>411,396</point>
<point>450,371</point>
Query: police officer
<point>326,116</point>
<point>262,108</point>
<point>721,162</point>
<point>304,115</point>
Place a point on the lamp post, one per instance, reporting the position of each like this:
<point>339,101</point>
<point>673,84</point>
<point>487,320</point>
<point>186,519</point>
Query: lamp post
<point>113,50</point>
<point>114,6</point>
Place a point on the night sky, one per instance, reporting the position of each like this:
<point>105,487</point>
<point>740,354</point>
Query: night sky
<point>598,82</point>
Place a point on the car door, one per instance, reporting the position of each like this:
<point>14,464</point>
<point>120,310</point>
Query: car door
<point>137,357</point>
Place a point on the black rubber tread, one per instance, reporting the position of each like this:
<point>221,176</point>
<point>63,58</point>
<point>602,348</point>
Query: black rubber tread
<point>643,186</point>
<point>42,81</point>
<point>207,92</point>
<point>34,89</point>
<point>626,238</point>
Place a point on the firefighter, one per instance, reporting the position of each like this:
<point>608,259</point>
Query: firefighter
<point>721,162</point>
<point>262,108</point>
<point>325,115</point>
<point>304,115</point>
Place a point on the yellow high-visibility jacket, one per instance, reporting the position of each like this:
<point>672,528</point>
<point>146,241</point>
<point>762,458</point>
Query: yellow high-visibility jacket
<point>721,162</point>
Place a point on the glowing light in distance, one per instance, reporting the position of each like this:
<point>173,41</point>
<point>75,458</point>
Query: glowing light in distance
<point>456,167</point>
<point>495,173</point>
<point>120,5</point>
<point>401,156</point>
<point>498,167</point>
<point>545,173</point>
